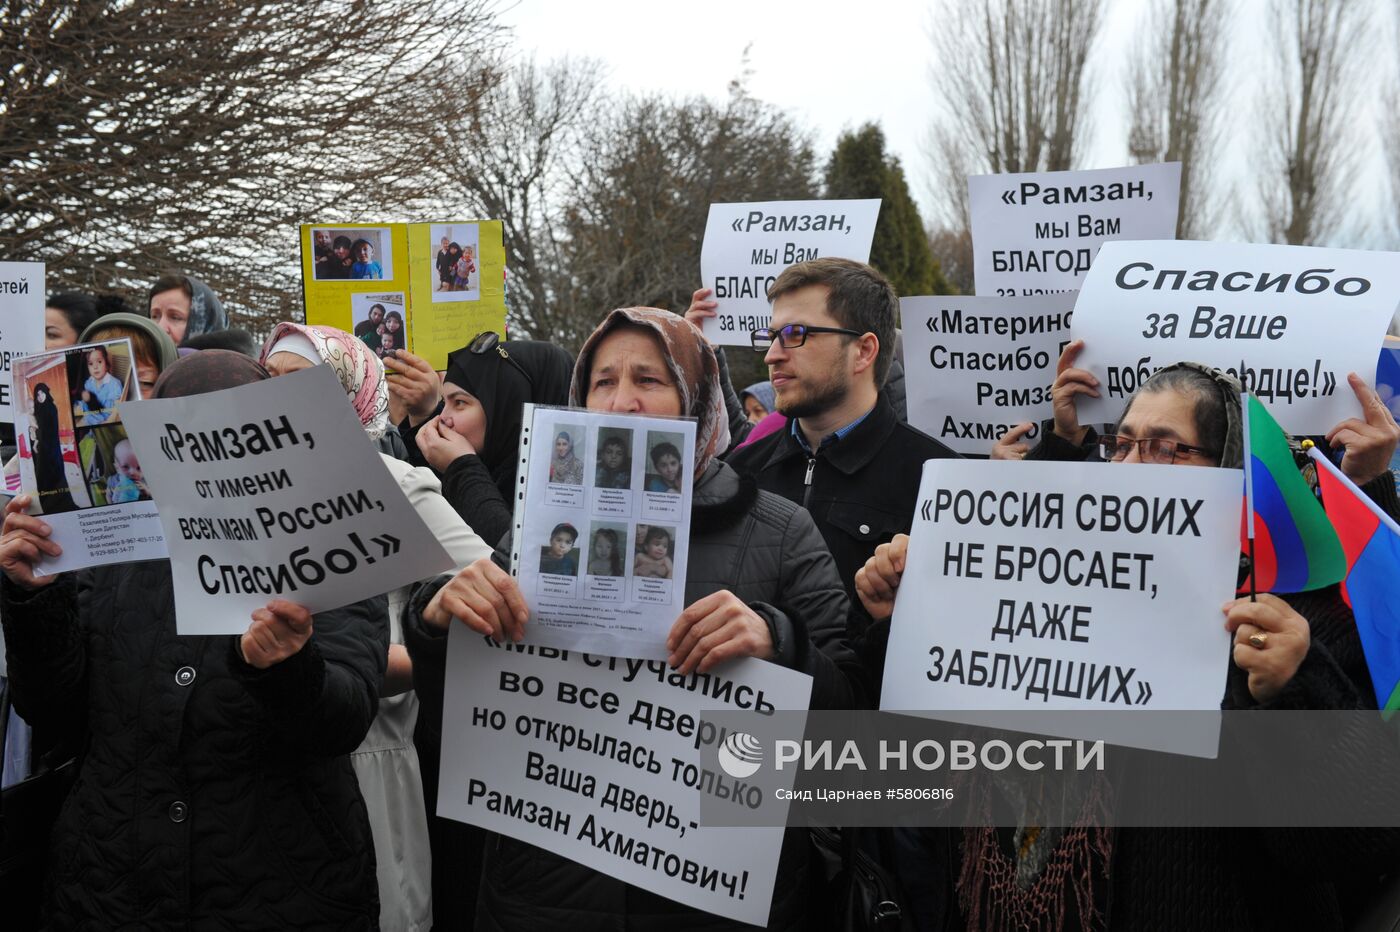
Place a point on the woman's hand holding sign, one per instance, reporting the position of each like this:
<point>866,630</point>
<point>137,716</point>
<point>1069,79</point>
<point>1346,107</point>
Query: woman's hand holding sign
<point>486,598</point>
<point>1369,440</point>
<point>1070,382</point>
<point>278,632</point>
<point>714,629</point>
<point>23,543</point>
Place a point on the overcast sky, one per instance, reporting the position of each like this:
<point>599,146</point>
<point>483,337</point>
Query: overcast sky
<point>835,65</point>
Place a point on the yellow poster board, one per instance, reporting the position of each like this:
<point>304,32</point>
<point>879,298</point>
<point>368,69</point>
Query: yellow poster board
<point>396,286</point>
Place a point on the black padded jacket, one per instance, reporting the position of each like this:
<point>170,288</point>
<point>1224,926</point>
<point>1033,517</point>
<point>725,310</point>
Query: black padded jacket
<point>210,795</point>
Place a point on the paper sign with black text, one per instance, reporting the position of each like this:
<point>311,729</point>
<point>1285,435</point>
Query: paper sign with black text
<point>747,245</point>
<point>976,367</point>
<point>22,300</point>
<point>1289,321</point>
<point>273,490</point>
<point>75,460</point>
<point>1038,232</point>
<point>1066,586</point>
<point>602,528</point>
<point>597,759</point>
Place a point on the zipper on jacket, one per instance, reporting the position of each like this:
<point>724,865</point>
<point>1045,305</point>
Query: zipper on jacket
<point>807,495</point>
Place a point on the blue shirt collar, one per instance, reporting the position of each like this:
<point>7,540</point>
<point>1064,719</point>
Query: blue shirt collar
<point>830,438</point>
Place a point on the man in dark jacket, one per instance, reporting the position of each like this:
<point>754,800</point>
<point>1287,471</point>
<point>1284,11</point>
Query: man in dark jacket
<point>846,456</point>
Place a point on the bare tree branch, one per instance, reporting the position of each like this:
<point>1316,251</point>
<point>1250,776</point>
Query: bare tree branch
<point>1176,94</point>
<point>1311,153</point>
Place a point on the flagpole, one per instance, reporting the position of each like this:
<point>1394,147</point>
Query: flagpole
<point>1248,490</point>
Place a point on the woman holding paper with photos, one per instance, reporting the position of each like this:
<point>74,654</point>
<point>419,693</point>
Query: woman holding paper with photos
<point>214,787</point>
<point>760,583</point>
<point>1294,652</point>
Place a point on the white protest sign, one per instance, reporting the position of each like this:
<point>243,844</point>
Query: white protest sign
<point>1289,321</point>
<point>75,460</point>
<point>1065,586</point>
<point>21,322</point>
<point>1038,232</point>
<point>273,490</point>
<point>747,245</point>
<point>597,759</point>
<point>975,367</point>
<point>602,530</point>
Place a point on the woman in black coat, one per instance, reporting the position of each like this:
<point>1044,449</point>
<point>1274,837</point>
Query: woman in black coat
<point>215,789</point>
<point>49,476</point>
<point>759,583</point>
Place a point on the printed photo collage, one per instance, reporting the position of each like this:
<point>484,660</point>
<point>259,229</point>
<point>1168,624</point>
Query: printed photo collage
<point>621,496</point>
<point>73,450</point>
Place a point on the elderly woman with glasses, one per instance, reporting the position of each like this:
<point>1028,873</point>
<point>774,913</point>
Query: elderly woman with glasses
<point>1293,652</point>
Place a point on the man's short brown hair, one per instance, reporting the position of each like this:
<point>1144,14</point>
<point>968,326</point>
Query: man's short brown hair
<point>859,297</point>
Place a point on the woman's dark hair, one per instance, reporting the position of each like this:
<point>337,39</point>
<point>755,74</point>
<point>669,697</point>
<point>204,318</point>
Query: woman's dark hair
<point>170,281</point>
<point>663,449</point>
<point>1210,416</point>
<point>234,339</point>
<point>79,309</point>
<point>564,529</point>
<point>393,315</point>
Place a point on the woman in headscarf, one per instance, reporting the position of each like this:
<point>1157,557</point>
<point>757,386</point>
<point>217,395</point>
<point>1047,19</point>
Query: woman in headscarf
<point>183,306</point>
<point>215,788</point>
<point>474,444</point>
<point>759,583</point>
<point>50,478</point>
<point>1298,651</point>
<point>386,763</point>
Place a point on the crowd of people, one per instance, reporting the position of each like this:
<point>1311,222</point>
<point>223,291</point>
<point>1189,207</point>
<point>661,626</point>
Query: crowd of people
<point>287,778</point>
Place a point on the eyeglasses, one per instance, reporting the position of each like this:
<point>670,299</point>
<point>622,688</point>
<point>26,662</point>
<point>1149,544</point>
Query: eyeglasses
<point>1115,449</point>
<point>792,336</point>
<point>484,343</point>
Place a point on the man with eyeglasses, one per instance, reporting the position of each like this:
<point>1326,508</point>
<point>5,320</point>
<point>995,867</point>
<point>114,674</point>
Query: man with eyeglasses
<point>845,455</point>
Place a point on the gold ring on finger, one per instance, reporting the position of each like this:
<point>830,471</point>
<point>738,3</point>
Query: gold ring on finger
<point>1258,640</point>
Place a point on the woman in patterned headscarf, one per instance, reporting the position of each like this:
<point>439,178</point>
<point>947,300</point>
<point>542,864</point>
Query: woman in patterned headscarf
<point>386,762</point>
<point>759,583</point>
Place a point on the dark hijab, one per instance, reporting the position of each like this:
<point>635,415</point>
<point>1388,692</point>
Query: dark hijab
<point>208,371</point>
<point>502,389</point>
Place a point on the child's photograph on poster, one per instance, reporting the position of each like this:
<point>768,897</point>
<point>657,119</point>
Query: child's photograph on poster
<point>665,466</point>
<point>351,254</point>
<point>655,552</point>
<point>614,466</point>
<point>559,557</point>
<point>456,261</point>
<point>110,466</point>
<point>607,553</point>
<point>378,320</point>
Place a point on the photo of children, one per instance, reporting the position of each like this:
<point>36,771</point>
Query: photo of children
<point>378,321</point>
<point>49,469</point>
<point>606,556</point>
<point>655,551</point>
<point>351,254</point>
<point>98,387</point>
<point>456,261</point>
<point>665,466</point>
<point>109,462</point>
<point>614,469</point>
<point>559,557</point>
<point>566,465</point>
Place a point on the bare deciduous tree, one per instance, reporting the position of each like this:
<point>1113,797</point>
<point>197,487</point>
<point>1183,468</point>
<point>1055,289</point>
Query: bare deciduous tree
<point>1175,94</point>
<point>649,170</point>
<point>141,135</point>
<point>1013,80</point>
<point>1311,152</point>
<point>514,164</point>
